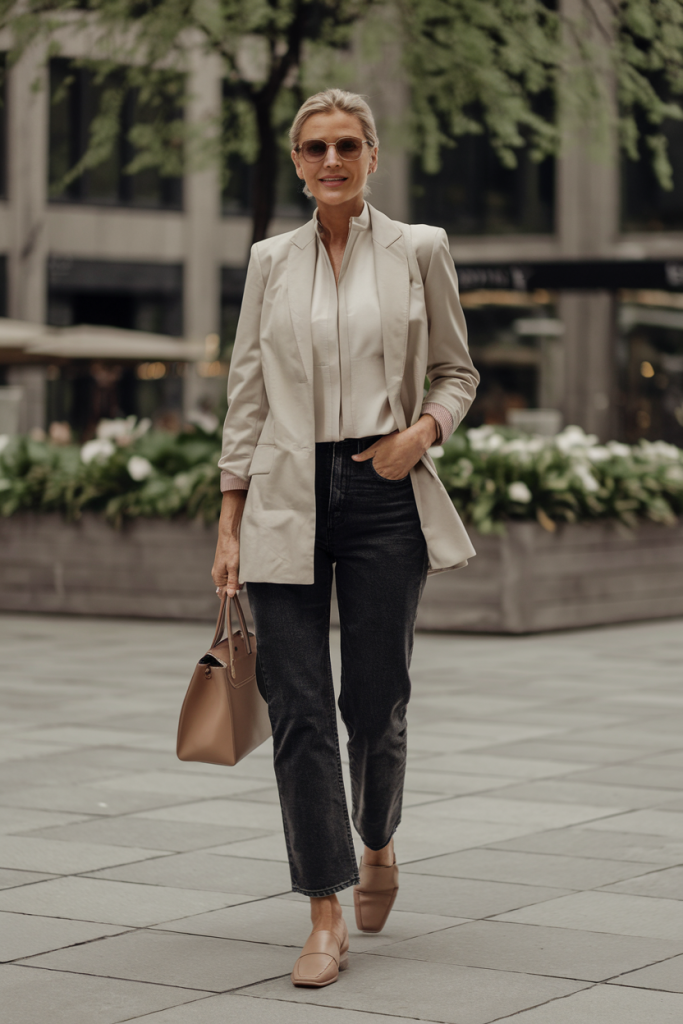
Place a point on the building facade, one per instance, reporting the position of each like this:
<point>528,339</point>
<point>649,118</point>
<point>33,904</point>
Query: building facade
<point>571,270</point>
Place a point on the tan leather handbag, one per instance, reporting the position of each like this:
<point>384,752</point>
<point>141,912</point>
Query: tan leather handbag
<point>224,717</point>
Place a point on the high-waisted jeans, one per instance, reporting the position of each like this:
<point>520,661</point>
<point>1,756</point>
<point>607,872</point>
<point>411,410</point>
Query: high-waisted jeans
<point>368,528</point>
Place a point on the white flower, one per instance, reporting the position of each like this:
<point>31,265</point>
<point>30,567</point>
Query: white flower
<point>182,481</point>
<point>4,441</point>
<point>99,450</point>
<point>600,453</point>
<point>662,450</point>
<point>139,467</point>
<point>465,469</point>
<point>205,420</point>
<point>524,446</point>
<point>114,429</point>
<point>518,491</point>
<point>574,437</point>
<point>620,451</point>
<point>674,474</point>
<point>485,439</point>
<point>123,431</point>
<point>585,477</point>
<point>436,452</point>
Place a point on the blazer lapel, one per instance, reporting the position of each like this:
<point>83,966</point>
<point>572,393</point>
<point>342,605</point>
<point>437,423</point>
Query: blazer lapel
<point>393,285</point>
<point>300,273</point>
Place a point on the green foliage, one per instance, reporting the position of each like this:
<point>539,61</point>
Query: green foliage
<point>499,66</point>
<point>493,475</point>
<point>181,477</point>
<point>478,65</point>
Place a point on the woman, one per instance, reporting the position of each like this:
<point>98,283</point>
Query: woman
<point>324,464</point>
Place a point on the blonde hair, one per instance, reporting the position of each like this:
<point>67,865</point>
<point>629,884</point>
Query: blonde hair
<point>326,103</point>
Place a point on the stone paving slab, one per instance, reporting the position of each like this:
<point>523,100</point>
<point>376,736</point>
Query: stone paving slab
<point>667,975</point>
<point>30,995</point>
<point>608,1005</point>
<point>541,846</point>
<point>557,952</point>
<point>164,958</point>
<point>429,991</point>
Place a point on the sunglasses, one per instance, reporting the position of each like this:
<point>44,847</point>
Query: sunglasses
<point>349,148</point>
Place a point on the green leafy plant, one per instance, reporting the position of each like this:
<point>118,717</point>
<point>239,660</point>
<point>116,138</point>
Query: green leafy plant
<point>472,66</point>
<point>494,475</point>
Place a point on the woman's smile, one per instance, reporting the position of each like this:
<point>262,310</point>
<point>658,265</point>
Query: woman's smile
<point>333,180</point>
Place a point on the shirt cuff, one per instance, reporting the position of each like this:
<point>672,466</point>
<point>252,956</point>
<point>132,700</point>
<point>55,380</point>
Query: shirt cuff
<point>230,482</point>
<point>444,420</point>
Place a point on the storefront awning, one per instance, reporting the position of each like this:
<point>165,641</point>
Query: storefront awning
<point>568,275</point>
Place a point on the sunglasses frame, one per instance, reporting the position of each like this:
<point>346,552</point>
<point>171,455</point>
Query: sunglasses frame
<point>317,160</point>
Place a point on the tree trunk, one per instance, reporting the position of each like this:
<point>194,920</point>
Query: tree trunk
<point>265,170</point>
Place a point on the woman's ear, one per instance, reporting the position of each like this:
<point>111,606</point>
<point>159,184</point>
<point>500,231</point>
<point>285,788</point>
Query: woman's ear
<point>295,158</point>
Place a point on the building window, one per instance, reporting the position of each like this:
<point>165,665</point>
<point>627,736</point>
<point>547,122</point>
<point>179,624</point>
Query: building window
<point>135,296</point>
<point>3,286</point>
<point>650,366</point>
<point>232,289</point>
<point>473,194</point>
<point>517,368</point>
<point>74,103</point>
<point>645,205</point>
<point>3,126</point>
<point>237,197</point>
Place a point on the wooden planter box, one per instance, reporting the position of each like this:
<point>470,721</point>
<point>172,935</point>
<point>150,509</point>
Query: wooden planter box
<point>528,581</point>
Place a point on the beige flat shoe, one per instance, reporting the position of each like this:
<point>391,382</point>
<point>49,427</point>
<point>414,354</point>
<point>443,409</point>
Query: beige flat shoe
<point>374,897</point>
<point>321,960</point>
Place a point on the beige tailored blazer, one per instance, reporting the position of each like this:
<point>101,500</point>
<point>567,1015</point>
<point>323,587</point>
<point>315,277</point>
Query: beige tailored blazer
<point>269,432</point>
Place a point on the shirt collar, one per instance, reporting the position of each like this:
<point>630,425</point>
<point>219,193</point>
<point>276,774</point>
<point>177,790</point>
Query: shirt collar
<point>360,223</point>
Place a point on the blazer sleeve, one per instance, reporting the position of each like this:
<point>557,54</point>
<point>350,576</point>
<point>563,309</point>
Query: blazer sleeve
<point>452,376</point>
<point>247,400</point>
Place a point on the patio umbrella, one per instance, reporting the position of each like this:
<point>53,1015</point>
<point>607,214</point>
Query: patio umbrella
<point>19,333</point>
<point>92,342</point>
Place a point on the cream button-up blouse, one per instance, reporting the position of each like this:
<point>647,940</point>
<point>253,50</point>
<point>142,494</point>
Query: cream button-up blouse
<point>349,383</point>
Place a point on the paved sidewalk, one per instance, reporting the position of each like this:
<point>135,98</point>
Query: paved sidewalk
<point>541,848</point>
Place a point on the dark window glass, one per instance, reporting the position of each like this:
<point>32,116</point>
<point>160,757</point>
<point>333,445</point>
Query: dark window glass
<point>650,360</point>
<point>289,198</point>
<point>75,100</point>
<point>3,286</point>
<point>645,205</point>
<point>3,127</point>
<point>473,194</point>
<point>237,197</point>
<point>514,371</point>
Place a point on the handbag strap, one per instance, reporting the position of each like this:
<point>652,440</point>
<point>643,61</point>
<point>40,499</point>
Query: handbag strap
<point>224,624</point>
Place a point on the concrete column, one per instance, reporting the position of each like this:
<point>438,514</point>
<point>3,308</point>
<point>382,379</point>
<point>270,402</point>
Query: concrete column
<point>27,187</point>
<point>201,284</point>
<point>589,393</point>
<point>33,382</point>
<point>588,225</point>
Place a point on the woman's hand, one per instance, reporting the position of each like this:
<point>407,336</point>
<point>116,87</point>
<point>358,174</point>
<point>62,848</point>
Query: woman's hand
<point>394,455</point>
<point>226,564</point>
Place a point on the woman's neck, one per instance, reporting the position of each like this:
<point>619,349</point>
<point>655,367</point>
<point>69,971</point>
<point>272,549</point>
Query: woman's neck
<point>334,220</point>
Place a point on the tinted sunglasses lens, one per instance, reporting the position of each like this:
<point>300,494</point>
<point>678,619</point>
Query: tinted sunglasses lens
<point>349,149</point>
<point>313,149</point>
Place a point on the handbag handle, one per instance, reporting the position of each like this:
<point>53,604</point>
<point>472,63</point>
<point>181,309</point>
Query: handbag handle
<point>224,624</point>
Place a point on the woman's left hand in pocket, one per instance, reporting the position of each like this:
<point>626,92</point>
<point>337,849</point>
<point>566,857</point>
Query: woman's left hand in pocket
<point>394,455</point>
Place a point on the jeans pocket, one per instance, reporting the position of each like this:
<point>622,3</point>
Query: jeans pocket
<point>385,479</point>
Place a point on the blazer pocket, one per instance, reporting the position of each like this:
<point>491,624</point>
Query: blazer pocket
<point>262,459</point>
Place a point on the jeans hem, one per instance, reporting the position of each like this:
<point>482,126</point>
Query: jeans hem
<point>318,893</point>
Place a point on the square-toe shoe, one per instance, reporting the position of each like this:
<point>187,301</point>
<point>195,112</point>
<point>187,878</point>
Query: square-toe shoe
<point>374,897</point>
<point>321,960</point>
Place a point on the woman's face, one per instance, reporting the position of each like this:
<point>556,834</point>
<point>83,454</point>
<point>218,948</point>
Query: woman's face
<point>333,180</point>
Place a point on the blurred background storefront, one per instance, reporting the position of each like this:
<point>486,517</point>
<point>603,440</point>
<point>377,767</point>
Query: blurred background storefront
<point>571,270</point>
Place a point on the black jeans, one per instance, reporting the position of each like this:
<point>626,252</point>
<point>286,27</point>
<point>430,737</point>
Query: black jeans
<point>368,528</point>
